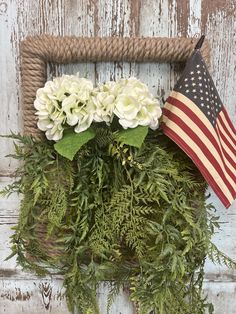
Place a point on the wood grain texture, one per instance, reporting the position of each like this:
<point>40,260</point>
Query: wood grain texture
<point>25,293</point>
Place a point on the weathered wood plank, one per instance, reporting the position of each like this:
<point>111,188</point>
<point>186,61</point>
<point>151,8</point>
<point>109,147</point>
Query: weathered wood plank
<point>38,296</point>
<point>9,81</point>
<point>218,22</point>
<point>222,295</point>
<point>159,77</point>
<point>105,18</point>
<point>47,296</point>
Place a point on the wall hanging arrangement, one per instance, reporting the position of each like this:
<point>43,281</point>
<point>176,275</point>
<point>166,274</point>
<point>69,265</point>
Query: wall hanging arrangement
<point>106,195</point>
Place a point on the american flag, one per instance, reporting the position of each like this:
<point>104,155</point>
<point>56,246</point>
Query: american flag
<point>195,118</point>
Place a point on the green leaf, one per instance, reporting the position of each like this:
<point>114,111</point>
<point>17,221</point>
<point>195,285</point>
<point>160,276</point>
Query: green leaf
<point>71,143</point>
<point>10,256</point>
<point>133,137</point>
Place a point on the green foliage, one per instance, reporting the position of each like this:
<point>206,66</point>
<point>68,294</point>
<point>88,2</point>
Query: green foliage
<point>71,143</point>
<point>133,137</point>
<point>135,217</point>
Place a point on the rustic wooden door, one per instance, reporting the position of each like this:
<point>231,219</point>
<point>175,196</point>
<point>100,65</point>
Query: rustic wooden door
<point>25,293</point>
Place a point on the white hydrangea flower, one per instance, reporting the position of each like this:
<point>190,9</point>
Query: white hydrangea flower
<point>111,87</point>
<point>155,112</point>
<point>78,107</point>
<point>55,133</point>
<point>135,105</point>
<point>62,101</point>
<point>71,100</point>
<point>70,106</point>
<point>104,102</point>
<point>49,112</point>
<point>85,120</point>
<point>126,109</point>
<point>79,114</point>
<point>104,107</point>
<point>132,87</point>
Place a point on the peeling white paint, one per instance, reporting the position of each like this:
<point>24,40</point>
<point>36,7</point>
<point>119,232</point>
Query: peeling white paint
<point>107,18</point>
<point>194,20</point>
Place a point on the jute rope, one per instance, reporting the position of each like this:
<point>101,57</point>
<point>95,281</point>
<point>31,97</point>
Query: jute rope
<point>36,51</point>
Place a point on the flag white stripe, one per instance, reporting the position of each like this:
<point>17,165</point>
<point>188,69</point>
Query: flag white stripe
<point>194,147</point>
<point>226,147</point>
<point>226,135</point>
<point>203,118</point>
<point>222,115</point>
<point>184,117</point>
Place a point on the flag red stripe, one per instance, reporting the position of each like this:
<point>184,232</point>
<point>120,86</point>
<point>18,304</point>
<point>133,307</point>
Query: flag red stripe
<point>222,137</point>
<point>201,145</point>
<point>183,145</point>
<point>224,132</point>
<point>226,129</point>
<point>223,154</point>
<point>228,157</point>
<point>229,121</point>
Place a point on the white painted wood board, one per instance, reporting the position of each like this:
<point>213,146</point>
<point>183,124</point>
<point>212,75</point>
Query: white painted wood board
<point>20,292</point>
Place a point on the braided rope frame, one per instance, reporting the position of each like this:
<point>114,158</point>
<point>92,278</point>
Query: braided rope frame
<point>37,51</point>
